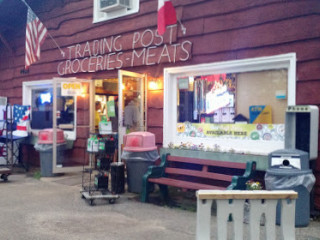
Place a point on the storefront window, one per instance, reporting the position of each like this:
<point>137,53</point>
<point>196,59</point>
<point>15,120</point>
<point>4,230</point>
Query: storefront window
<point>39,95</point>
<point>218,109</point>
<point>42,105</point>
<point>65,111</point>
<point>41,108</point>
<point>233,105</point>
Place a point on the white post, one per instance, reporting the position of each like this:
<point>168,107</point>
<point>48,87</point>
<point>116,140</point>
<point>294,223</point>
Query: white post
<point>203,219</point>
<point>224,209</point>
<point>257,208</point>
<point>232,202</point>
<point>288,219</point>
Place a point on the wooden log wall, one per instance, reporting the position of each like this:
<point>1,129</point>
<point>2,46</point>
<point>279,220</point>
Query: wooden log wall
<point>219,30</point>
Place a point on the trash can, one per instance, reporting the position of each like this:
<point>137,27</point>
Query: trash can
<point>117,177</point>
<point>139,153</point>
<point>45,148</point>
<point>289,170</point>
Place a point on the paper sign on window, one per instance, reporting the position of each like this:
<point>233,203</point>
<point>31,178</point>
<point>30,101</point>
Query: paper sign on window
<point>70,88</point>
<point>111,109</point>
<point>260,114</point>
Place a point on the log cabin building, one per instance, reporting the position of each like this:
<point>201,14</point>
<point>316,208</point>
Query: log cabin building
<point>223,60</point>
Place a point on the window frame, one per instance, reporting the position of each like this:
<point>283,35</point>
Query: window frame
<point>99,16</point>
<point>283,61</point>
<point>27,93</point>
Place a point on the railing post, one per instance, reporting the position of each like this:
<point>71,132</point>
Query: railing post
<point>203,227</point>
<point>257,208</point>
<point>224,209</point>
<point>232,202</point>
<point>288,219</point>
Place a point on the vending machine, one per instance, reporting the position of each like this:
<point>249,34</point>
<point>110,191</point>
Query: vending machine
<point>301,129</point>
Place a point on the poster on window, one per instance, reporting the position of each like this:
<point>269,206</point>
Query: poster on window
<point>260,114</point>
<point>266,132</point>
<point>220,90</point>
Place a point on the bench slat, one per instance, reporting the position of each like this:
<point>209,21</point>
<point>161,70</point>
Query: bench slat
<point>200,174</point>
<point>183,184</point>
<point>208,162</point>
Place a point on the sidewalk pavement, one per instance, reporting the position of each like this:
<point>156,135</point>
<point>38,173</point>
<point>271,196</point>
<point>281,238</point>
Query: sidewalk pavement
<point>52,209</point>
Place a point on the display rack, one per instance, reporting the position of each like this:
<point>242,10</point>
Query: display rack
<point>11,145</point>
<point>7,148</point>
<point>95,178</point>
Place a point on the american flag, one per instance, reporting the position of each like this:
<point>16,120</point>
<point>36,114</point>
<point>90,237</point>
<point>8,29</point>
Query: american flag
<point>21,113</point>
<point>36,33</point>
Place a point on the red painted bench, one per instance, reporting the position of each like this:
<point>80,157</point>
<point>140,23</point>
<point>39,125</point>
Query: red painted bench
<point>194,174</point>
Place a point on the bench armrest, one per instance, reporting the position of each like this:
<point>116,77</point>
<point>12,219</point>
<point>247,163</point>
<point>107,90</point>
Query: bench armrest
<point>156,171</point>
<point>152,172</point>
<point>239,182</point>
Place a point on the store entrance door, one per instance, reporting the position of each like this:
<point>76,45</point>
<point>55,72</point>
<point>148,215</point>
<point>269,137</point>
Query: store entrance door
<point>71,121</point>
<point>132,104</point>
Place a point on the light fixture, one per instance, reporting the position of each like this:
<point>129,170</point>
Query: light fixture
<point>154,84</point>
<point>84,89</point>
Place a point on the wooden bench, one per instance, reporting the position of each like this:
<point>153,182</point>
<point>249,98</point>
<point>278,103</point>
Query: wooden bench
<point>195,174</point>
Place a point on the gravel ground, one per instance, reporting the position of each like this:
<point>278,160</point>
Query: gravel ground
<point>52,209</point>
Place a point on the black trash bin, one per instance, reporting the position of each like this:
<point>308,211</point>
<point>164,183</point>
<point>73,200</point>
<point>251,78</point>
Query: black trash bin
<point>117,177</point>
<point>139,153</point>
<point>289,170</point>
<point>137,165</point>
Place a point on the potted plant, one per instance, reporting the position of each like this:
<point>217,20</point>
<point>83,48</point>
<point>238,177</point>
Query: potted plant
<point>253,185</point>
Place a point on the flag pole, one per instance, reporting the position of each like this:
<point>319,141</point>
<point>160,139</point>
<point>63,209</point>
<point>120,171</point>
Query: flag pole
<point>62,52</point>
<point>183,28</point>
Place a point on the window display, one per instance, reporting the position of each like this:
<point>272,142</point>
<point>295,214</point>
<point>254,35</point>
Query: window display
<point>209,106</point>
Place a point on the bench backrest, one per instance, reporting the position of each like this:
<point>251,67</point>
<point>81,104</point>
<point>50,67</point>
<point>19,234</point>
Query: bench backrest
<point>218,173</point>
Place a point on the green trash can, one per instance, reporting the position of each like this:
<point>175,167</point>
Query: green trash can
<point>46,157</point>
<point>289,170</point>
<point>137,164</point>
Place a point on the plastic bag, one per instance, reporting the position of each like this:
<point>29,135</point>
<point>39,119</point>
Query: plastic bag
<point>105,127</point>
<point>141,156</point>
<point>277,182</point>
<point>43,147</point>
<point>48,147</point>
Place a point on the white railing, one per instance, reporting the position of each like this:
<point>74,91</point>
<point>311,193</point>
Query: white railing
<point>232,202</point>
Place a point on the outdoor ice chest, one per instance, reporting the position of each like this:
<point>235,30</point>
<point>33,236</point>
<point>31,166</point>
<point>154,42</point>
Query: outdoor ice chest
<point>139,152</point>
<point>289,170</point>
